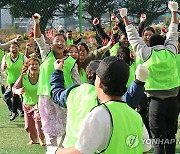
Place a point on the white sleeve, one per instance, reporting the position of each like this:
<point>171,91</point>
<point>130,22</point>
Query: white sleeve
<point>172,38</point>
<point>3,62</point>
<point>146,144</point>
<point>95,132</point>
<point>75,75</point>
<point>138,45</point>
<point>7,44</point>
<point>43,46</point>
<point>25,58</point>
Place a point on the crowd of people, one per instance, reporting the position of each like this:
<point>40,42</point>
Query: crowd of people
<point>111,100</point>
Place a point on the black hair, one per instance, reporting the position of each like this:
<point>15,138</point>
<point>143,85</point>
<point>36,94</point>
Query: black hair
<point>60,34</point>
<point>114,91</point>
<point>69,31</point>
<point>124,53</point>
<point>156,39</point>
<point>15,43</point>
<point>91,71</point>
<point>85,46</point>
<point>149,29</point>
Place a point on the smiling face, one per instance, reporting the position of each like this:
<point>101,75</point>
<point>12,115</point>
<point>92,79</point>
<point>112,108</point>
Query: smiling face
<point>73,52</point>
<point>69,35</point>
<point>124,41</point>
<point>146,36</point>
<point>58,44</point>
<point>34,67</point>
<point>14,49</point>
<point>82,53</point>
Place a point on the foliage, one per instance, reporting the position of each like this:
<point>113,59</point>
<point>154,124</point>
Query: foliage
<point>152,8</point>
<point>26,8</point>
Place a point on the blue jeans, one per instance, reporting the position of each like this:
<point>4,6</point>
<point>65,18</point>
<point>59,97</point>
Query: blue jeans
<point>13,104</point>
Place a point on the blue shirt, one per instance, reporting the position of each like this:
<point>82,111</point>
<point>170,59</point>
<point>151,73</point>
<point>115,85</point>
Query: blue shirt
<point>59,94</point>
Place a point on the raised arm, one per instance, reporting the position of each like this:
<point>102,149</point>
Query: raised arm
<point>100,30</point>
<point>135,92</point>
<point>39,37</point>
<point>172,35</point>
<point>7,44</point>
<point>135,40</point>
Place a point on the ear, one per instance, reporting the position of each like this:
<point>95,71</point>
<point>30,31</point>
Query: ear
<point>98,82</point>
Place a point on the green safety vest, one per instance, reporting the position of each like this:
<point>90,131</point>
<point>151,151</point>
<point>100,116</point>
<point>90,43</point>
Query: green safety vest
<point>13,68</point>
<point>126,137</point>
<point>1,55</point>
<point>178,64</point>
<point>132,70</point>
<point>113,51</point>
<point>46,70</point>
<point>30,96</point>
<point>69,63</point>
<point>83,75</point>
<point>79,103</point>
<point>69,42</point>
<point>138,60</point>
<point>131,49</point>
<point>163,71</point>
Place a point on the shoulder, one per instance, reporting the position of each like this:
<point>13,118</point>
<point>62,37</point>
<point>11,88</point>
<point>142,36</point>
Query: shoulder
<point>100,114</point>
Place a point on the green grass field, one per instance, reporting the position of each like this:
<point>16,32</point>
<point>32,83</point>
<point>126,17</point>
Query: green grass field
<point>14,139</point>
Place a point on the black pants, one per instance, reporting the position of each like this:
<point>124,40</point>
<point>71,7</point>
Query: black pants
<point>163,115</point>
<point>13,104</point>
<point>143,111</point>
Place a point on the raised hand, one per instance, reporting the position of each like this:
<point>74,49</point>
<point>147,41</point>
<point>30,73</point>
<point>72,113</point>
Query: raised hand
<point>36,18</point>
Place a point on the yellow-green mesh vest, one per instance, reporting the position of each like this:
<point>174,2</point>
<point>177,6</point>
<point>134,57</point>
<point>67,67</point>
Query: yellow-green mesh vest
<point>138,60</point>
<point>113,51</point>
<point>131,49</point>
<point>178,64</point>
<point>132,70</point>
<point>79,103</point>
<point>46,70</point>
<point>69,63</point>
<point>14,68</point>
<point>1,55</point>
<point>30,96</point>
<point>83,75</point>
<point>69,42</point>
<point>126,137</point>
<point>163,71</point>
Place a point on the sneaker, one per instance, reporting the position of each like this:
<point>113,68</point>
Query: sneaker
<point>13,116</point>
<point>22,114</point>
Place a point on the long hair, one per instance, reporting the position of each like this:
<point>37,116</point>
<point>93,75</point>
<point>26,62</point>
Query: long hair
<point>28,63</point>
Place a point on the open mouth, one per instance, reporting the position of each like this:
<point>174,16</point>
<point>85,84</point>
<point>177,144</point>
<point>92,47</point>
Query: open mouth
<point>60,46</point>
<point>34,69</point>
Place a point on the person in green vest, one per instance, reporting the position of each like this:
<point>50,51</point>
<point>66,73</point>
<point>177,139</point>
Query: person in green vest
<point>80,100</point>
<point>27,86</point>
<point>72,50</point>
<point>53,118</point>
<point>13,62</point>
<point>3,47</point>
<point>163,83</point>
<point>70,40</point>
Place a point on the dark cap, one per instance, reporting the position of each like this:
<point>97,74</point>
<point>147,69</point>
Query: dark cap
<point>94,64</point>
<point>91,71</point>
<point>113,72</point>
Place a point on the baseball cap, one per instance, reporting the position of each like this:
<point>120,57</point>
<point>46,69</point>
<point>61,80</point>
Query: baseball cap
<point>113,72</point>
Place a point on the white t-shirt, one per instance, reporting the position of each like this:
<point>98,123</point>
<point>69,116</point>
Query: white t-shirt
<point>96,131</point>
